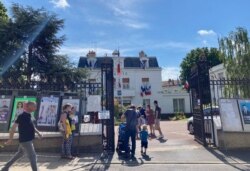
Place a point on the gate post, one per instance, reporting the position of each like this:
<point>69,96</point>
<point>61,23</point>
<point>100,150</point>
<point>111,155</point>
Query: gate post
<point>108,83</point>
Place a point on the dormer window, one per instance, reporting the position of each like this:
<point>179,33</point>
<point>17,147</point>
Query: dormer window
<point>143,60</point>
<point>91,59</point>
<point>91,62</point>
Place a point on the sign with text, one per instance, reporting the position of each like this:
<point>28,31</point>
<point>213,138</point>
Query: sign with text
<point>230,117</point>
<point>48,110</point>
<point>105,114</point>
<point>94,103</point>
<point>244,107</point>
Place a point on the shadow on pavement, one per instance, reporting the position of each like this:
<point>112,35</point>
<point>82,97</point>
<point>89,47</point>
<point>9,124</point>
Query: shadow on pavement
<point>232,157</point>
<point>102,162</point>
<point>162,140</point>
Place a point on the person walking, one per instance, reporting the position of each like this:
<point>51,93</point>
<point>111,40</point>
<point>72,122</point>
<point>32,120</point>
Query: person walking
<point>66,131</point>
<point>144,139</point>
<point>26,130</point>
<point>131,125</point>
<point>158,118</point>
<point>151,120</point>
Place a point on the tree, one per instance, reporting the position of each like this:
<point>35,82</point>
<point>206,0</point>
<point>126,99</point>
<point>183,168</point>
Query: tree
<point>212,55</point>
<point>3,14</point>
<point>235,51</point>
<point>30,45</point>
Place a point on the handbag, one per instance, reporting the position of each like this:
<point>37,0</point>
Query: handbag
<point>60,126</point>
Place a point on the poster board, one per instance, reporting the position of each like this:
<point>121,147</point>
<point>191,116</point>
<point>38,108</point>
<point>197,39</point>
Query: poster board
<point>48,112</point>
<point>105,114</point>
<point>244,108</point>
<point>5,112</point>
<point>94,103</point>
<point>230,117</point>
<point>18,108</point>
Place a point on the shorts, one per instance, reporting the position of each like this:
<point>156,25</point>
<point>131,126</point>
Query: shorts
<point>144,144</point>
<point>157,123</point>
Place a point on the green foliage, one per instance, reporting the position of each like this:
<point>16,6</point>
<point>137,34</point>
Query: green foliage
<point>38,57</point>
<point>178,116</point>
<point>3,14</point>
<point>235,51</point>
<point>212,55</point>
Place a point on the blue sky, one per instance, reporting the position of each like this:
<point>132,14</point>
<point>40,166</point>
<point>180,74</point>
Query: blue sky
<point>167,29</point>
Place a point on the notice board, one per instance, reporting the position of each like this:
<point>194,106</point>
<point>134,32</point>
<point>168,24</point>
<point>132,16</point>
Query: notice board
<point>230,116</point>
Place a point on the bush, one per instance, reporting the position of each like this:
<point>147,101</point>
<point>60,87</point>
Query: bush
<point>178,116</point>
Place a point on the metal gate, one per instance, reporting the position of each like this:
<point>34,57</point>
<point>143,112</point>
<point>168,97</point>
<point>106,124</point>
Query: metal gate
<point>81,90</point>
<point>206,92</point>
<point>201,99</point>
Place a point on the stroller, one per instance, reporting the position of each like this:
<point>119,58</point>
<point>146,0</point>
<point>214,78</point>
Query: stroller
<point>121,148</point>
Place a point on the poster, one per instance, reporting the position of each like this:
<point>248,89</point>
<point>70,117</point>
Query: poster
<point>244,106</point>
<point>4,109</point>
<point>48,111</point>
<point>18,107</point>
<point>230,117</point>
<point>94,103</point>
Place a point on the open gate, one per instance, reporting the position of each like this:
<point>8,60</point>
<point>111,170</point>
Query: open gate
<point>201,100</point>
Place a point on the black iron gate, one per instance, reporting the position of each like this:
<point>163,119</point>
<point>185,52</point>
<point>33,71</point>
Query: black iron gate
<point>206,92</point>
<point>201,99</point>
<point>108,103</point>
<point>80,89</point>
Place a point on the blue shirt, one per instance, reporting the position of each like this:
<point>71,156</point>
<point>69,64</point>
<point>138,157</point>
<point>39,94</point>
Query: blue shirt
<point>131,119</point>
<point>144,136</point>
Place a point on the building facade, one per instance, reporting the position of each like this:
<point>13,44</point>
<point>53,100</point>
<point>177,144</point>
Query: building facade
<point>217,72</point>
<point>137,80</point>
<point>175,98</point>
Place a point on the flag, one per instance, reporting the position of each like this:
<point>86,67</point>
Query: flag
<point>118,68</point>
<point>186,85</point>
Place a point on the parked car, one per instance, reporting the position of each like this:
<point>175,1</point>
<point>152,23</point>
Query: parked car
<point>190,124</point>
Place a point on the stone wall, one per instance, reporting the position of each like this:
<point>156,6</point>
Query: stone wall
<point>87,144</point>
<point>233,140</point>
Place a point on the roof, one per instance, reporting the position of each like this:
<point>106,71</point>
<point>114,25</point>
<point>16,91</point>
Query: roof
<point>129,62</point>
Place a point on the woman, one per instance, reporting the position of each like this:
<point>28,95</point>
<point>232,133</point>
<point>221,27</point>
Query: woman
<point>67,133</point>
<point>151,120</point>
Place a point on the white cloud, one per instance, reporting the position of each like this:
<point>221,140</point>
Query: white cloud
<point>205,42</point>
<point>60,3</point>
<point>170,73</point>
<point>206,32</point>
<point>135,24</point>
<point>77,51</point>
<point>126,13</point>
<point>173,45</point>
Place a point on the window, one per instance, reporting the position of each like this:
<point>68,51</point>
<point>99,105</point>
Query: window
<point>145,80</point>
<point>125,83</point>
<point>179,105</point>
<point>92,80</point>
<point>146,102</point>
<point>126,102</point>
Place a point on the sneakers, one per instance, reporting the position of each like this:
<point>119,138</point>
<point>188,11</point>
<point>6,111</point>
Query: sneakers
<point>161,136</point>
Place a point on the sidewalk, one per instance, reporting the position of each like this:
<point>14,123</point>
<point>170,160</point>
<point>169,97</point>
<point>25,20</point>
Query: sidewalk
<point>178,152</point>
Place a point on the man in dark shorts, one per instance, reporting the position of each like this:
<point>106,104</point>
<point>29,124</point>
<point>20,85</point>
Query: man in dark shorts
<point>26,130</point>
<point>131,123</point>
<point>158,118</point>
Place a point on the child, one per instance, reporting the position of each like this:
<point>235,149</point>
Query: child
<point>144,139</point>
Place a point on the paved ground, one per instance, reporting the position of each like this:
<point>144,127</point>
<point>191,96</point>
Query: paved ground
<point>177,151</point>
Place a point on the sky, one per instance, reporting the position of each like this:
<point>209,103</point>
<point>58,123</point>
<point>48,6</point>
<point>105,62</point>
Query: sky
<point>166,29</point>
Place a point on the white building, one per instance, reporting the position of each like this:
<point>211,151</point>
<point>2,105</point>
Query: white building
<point>217,72</point>
<point>137,80</point>
<point>175,98</point>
